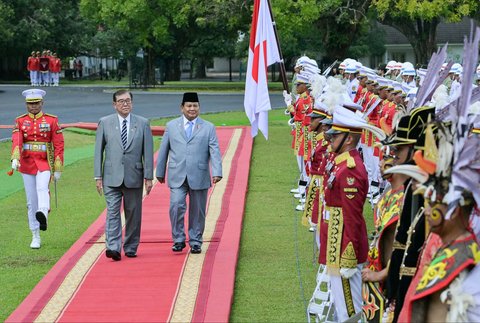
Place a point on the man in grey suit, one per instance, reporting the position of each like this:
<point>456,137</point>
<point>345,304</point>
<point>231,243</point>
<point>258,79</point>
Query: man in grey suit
<point>123,164</point>
<point>189,143</point>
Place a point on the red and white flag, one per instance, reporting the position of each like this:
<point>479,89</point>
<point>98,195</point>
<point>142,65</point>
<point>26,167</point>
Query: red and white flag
<point>263,52</point>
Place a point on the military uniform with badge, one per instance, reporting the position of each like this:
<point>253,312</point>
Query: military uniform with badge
<point>37,153</point>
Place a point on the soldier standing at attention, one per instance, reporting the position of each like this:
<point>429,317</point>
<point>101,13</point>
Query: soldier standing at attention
<point>37,153</point>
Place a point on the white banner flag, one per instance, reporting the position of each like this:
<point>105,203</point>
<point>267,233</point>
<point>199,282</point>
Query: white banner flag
<point>263,52</point>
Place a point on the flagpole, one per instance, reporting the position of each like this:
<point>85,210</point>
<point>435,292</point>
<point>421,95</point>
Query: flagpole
<point>283,71</point>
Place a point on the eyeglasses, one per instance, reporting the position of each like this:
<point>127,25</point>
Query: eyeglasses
<point>124,101</point>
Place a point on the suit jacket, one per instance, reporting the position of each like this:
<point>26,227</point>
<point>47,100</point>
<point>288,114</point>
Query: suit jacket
<point>116,165</point>
<point>189,158</point>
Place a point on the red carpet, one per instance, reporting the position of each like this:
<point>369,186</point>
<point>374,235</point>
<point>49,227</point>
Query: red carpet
<point>158,285</point>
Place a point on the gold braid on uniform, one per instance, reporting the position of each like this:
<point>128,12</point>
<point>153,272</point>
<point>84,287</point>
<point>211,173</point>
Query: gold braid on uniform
<point>16,153</point>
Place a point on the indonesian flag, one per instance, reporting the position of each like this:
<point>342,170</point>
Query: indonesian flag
<point>263,52</point>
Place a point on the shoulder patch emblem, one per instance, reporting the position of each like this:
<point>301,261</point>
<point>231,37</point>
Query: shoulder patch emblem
<point>350,180</point>
<point>350,196</point>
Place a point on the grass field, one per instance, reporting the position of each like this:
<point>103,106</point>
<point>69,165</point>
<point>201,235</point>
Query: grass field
<point>276,269</point>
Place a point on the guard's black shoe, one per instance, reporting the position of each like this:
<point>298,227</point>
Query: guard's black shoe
<point>130,254</point>
<point>42,219</point>
<point>178,246</point>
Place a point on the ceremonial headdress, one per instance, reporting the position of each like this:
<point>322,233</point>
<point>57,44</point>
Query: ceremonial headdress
<point>301,60</point>
<point>382,83</point>
<point>303,78</point>
<point>351,69</point>
<point>452,156</point>
<point>33,95</point>
<point>345,120</point>
<point>408,69</point>
<point>410,127</point>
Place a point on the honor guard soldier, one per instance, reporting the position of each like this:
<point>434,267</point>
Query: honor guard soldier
<point>345,193</point>
<point>37,153</point>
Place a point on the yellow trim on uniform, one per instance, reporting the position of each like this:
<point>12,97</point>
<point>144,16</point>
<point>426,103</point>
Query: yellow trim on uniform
<point>344,129</point>
<point>36,116</point>
<point>345,157</point>
<point>16,153</point>
<point>476,130</point>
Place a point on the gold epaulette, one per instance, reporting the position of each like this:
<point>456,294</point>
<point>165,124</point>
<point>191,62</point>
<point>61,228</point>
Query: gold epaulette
<point>50,115</point>
<point>21,116</point>
<point>345,157</point>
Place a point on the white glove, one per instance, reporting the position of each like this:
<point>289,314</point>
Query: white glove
<point>287,98</point>
<point>57,175</point>
<point>15,164</point>
<point>348,272</point>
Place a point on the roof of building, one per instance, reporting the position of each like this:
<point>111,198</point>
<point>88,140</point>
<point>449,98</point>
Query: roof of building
<point>452,33</point>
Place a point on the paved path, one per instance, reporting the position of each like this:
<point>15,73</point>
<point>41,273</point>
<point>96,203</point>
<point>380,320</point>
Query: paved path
<point>88,104</point>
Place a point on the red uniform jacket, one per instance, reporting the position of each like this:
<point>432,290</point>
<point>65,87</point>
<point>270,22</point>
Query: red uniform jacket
<point>346,188</point>
<point>55,65</point>
<point>32,64</point>
<point>37,142</point>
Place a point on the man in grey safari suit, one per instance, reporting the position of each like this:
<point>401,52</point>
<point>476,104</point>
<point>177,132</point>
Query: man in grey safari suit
<point>189,143</point>
<point>123,164</point>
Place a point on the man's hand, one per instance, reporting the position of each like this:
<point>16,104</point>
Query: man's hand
<point>99,184</point>
<point>56,175</point>
<point>216,179</point>
<point>161,179</point>
<point>15,164</point>
<point>148,185</point>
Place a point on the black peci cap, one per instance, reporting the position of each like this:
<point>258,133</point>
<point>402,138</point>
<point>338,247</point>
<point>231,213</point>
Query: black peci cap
<point>190,97</point>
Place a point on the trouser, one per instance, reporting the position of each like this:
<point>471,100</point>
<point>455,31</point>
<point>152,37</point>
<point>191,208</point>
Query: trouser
<point>45,78</point>
<point>132,205</point>
<point>196,213</point>
<point>33,78</point>
<point>55,78</point>
<point>38,196</point>
<point>372,164</point>
<point>346,294</point>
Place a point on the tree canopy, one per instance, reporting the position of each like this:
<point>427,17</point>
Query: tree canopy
<point>418,19</point>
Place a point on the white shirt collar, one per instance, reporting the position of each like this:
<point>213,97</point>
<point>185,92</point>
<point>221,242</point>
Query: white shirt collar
<point>120,118</point>
<point>185,121</point>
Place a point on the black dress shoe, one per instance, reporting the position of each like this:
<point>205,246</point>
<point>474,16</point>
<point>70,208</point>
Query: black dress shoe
<point>178,246</point>
<point>196,249</point>
<point>115,255</point>
<point>42,219</point>
<point>130,254</point>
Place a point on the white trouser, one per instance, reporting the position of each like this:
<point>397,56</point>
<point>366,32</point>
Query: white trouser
<point>372,164</point>
<point>45,78</point>
<point>33,77</point>
<point>38,197</point>
<point>55,78</point>
<point>347,291</point>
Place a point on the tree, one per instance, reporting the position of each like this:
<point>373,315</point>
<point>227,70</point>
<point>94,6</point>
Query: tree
<point>418,20</point>
<point>314,27</point>
<point>170,29</point>
<point>36,25</point>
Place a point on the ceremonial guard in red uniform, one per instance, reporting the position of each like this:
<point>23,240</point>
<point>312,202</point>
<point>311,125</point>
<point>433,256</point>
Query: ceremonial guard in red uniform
<point>33,66</point>
<point>320,144</point>
<point>55,68</point>
<point>37,153</point>
<point>303,106</point>
<point>346,186</point>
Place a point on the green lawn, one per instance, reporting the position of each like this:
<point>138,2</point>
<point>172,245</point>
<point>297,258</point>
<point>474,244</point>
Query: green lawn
<point>276,270</point>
